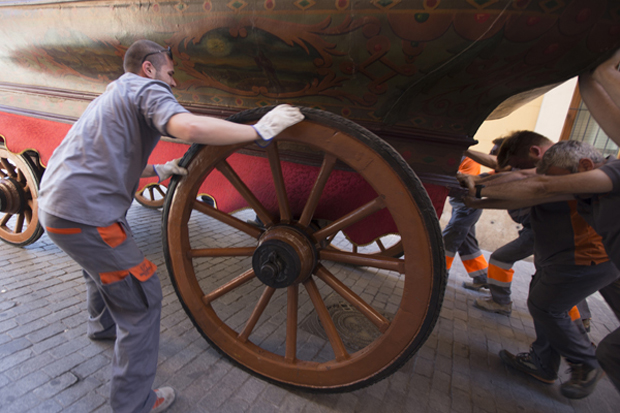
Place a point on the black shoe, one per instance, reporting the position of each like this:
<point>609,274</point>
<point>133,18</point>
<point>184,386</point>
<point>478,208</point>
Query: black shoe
<point>582,381</point>
<point>524,363</point>
<point>107,334</point>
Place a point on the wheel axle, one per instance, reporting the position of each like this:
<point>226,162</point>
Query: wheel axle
<point>12,197</point>
<point>285,256</point>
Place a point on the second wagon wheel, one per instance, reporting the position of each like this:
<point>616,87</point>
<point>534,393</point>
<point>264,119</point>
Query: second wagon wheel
<point>151,196</point>
<point>19,190</point>
<point>276,299</point>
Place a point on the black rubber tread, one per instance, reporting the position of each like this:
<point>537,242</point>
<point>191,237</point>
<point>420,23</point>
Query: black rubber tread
<point>421,198</point>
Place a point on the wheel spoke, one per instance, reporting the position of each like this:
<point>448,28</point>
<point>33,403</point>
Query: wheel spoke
<point>161,191</point>
<point>221,252</point>
<point>328,324</point>
<point>356,301</point>
<point>8,167</point>
<point>366,260</point>
<point>152,193</point>
<point>351,218</point>
<point>228,287</point>
<point>249,229</point>
<point>258,311</point>
<point>28,216</point>
<point>19,224</point>
<point>228,172</point>
<point>278,180</point>
<point>5,219</point>
<point>380,245</point>
<point>329,161</point>
<point>292,303</point>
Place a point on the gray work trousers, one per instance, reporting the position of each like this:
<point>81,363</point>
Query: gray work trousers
<point>554,290</point>
<point>608,350</point>
<point>133,305</point>
<point>505,257</point>
<point>459,236</point>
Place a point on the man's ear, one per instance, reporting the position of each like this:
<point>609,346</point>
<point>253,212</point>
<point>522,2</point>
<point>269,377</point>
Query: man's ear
<point>536,151</point>
<point>147,70</point>
<point>585,164</point>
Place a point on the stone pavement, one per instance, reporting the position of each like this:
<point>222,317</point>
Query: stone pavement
<point>48,365</point>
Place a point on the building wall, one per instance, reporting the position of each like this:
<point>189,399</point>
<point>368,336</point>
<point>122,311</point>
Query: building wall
<point>545,115</point>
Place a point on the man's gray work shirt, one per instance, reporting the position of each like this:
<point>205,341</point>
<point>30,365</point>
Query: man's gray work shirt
<point>92,176</point>
<point>601,211</point>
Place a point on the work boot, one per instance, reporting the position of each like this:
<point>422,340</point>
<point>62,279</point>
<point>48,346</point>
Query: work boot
<point>107,334</point>
<point>488,304</point>
<point>587,324</point>
<point>582,381</point>
<point>524,363</point>
<point>475,285</point>
<point>165,397</point>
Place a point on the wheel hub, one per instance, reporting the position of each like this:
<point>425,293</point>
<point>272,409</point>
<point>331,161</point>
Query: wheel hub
<point>12,197</point>
<point>285,256</point>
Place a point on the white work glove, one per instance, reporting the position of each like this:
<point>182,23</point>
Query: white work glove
<point>276,120</point>
<point>168,169</point>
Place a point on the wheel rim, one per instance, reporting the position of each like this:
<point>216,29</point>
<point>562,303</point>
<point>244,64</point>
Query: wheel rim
<point>20,226</point>
<point>280,355</point>
<point>151,196</point>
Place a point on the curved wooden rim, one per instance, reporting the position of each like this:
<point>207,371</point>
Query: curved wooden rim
<point>27,223</point>
<point>346,369</point>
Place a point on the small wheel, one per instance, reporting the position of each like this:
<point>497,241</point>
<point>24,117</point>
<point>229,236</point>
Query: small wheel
<point>151,196</point>
<point>19,190</point>
<point>388,245</point>
<point>277,299</point>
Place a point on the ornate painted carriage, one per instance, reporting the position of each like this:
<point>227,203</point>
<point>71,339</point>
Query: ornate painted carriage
<point>346,201</point>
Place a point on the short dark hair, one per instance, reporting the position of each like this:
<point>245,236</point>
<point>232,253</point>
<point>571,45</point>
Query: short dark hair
<point>134,56</point>
<point>567,154</point>
<point>518,144</point>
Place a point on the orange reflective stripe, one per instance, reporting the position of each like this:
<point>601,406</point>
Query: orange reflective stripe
<point>449,261</point>
<point>475,264</point>
<point>112,276</point>
<point>574,313</point>
<point>114,235</point>
<point>144,270</point>
<point>63,230</point>
<point>500,274</point>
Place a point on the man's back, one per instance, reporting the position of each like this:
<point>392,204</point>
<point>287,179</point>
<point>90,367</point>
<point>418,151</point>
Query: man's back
<point>93,174</point>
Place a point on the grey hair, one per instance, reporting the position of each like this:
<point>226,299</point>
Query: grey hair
<point>567,154</point>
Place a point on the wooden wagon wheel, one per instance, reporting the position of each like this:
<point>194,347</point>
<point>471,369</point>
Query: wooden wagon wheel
<point>253,293</point>
<point>19,190</point>
<point>388,245</point>
<point>152,196</point>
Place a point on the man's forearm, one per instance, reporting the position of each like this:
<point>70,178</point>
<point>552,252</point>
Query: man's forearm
<point>148,172</point>
<point>541,187</point>
<point>490,161</point>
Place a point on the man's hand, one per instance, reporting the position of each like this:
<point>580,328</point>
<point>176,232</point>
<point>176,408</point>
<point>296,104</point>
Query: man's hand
<point>168,169</point>
<point>472,202</point>
<point>467,181</point>
<point>276,120</point>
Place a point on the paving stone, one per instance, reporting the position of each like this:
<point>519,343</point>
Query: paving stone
<point>457,370</point>
<point>55,386</point>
